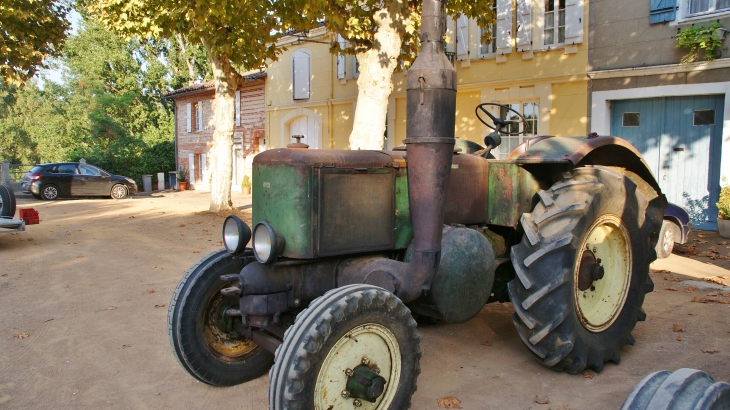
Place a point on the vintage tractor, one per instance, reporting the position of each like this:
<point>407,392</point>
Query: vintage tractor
<point>347,244</point>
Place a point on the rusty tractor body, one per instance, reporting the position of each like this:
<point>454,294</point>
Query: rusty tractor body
<point>353,242</point>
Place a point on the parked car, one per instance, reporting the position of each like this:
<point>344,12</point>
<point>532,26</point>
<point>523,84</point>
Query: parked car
<point>675,229</point>
<point>73,179</point>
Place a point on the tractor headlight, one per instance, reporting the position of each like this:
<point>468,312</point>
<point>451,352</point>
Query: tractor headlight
<point>267,243</point>
<point>236,234</point>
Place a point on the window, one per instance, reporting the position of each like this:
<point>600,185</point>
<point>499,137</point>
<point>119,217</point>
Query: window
<point>707,6</point>
<point>199,116</point>
<point>89,170</point>
<point>631,119</point>
<point>301,74</point>
<point>529,110</point>
<point>488,47</point>
<point>554,22</point>
<point>357,67</point>
<point>66,169</point>
<point>704,117</point>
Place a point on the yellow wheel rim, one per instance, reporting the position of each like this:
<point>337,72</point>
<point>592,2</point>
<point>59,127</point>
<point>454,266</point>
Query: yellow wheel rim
<point>607,242</point>
<point>371,341</point>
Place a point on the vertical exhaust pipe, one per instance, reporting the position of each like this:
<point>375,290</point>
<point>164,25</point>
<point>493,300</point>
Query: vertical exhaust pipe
<point>431,111</point>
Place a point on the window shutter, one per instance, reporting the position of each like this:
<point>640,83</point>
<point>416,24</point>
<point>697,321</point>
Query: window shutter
<point>203,170</point>
<point>237,115</point>
<point>341,71</point>
<point>301,75</point>
<point>573,22</point>
<point>199,116</point>
<point>524,25</point>
<point>189,117</point>
<point>191,168</point>
<point>504,26</point>
<point>662,10</point>
<point>462,38</point>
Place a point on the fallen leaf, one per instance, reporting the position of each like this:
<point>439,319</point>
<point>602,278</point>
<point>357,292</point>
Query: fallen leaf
<point>701,235</point>
<point>4,274</point>
<point>196,251</point>
<point>722,243</point>
<point>672,279</point>
<point>29,239</point>
<point>151,291</point>
<point>715,280</point>
<point>709,351</point>
<point>690,313</point>
<point>678,328</point>
<point>126,346</point>
<point>544,400</point>
<point>131,217</point>
<point>701,241</point>
<point>659,271</point>
<point>670,289</point>
<point>449,402</point>
<point>486,343</point>
<point>587,375</point>
<point>160,305</point>
<point>111,308</point>
<point>713,294</point>
<point>679,338</point>
<point>689,289</point>
<point>20,335</point>
<point>181,224</point>
<point>79,256</point>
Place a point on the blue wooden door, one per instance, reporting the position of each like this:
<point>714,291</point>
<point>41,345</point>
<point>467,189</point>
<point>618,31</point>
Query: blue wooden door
<point>680,138</point>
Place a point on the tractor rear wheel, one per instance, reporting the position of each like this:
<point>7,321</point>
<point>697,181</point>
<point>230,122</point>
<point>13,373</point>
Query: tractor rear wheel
<point>582,269</point>
<point>685,389</point>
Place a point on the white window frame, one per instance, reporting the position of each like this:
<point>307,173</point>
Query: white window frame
<point>501,153</point>
<point>199,116</point>
<point>555,27</point>
<point>237,113</point>
<point>493,35</point>
<point>683,13</point>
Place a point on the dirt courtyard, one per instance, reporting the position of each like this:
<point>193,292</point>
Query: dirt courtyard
<point>83,321</point>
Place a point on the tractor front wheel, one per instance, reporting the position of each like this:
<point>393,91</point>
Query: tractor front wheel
<point>583,269</point>
<point>355,346</point>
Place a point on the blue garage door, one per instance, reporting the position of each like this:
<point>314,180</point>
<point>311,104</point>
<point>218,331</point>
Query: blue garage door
<point>680,138</point>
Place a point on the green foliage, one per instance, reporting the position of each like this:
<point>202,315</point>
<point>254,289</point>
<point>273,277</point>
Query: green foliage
<point>698,40</point>
<point>30,31</point>
<point>723,206</point>
<point>246,182</point>
<point>182,174</point>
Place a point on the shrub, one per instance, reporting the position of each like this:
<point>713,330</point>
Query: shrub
<point>723,206</point>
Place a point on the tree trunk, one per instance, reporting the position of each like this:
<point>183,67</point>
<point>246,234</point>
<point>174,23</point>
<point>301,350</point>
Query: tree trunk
<point>374,84</point>
<point>188,61</point>
<point>221,162</point>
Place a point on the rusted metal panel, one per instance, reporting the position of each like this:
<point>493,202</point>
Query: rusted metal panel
<point>466,200</point>
<point>511,190</point>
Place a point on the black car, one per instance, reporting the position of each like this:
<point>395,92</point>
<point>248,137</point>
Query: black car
<point>69,179</point>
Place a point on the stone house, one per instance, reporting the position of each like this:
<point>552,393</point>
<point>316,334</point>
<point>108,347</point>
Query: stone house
<point>194,116</point>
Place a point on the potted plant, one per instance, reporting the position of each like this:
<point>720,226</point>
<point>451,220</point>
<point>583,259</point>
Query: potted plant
<point>182,178</point>
<point>723,210</point>
<point>246,185</point>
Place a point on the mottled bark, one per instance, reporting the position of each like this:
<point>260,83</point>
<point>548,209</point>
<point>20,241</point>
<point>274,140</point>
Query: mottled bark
<point>220,158</point>
<point>374,84</point>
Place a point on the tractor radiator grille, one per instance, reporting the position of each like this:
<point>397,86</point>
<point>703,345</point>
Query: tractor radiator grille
<point>356,212</point>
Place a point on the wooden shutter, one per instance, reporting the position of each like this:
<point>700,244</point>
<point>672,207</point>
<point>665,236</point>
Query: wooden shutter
<point>237,115</point>
<point>189,117</point>
<point>191,168</point>
<point>301,75</point>
<point>504,26</point>
<point>573,22</point>
<point>199,116</point>
<point>524,25</point>
<point>341,70</point>
<point>462,38</point>
<point>203,170</point>
<point>662,10</point>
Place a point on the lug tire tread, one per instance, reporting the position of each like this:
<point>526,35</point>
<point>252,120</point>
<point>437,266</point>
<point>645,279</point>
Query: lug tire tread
<point>311,330</point>
<point>8,201</point>
<point>542,294</point>
<point>684,389</point>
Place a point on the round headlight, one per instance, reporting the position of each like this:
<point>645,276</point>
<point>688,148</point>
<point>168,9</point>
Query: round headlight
<point>236,234</point>
<point>267,243</point>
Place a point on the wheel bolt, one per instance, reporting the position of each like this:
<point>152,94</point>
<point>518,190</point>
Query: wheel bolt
<point>365,361</point>
<point>349,372</point>
<point>356,403</point>
<point>345,394</point>
<point>376,369</point>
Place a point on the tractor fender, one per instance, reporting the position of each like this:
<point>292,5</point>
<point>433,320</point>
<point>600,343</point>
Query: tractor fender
<point>589,150</point>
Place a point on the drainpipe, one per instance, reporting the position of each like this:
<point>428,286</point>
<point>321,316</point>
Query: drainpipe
<point>431,112</point>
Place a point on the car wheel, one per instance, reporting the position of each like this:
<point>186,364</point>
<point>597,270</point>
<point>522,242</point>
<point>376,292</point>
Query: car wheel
<point>49,192</point>
<point>355,344</point>
<point>119,191</point>
<point>583,269</point>
<point>7,201</point>
<point>665,245</point>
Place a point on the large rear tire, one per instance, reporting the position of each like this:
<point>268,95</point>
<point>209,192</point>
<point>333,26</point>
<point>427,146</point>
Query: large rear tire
<point>347,329</point>
<point>583,268</point>
<point>685,389</point>
<point>200,333</point>
<point>7,201</point>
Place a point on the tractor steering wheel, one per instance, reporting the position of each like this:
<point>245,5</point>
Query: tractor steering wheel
<point>499,125</point>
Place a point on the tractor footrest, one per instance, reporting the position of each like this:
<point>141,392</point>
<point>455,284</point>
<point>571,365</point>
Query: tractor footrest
<point>230,278</point>
<point>232,291</point>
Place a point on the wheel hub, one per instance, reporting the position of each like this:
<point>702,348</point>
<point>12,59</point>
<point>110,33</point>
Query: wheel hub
<point>364,383</point>
<point>603,273</point>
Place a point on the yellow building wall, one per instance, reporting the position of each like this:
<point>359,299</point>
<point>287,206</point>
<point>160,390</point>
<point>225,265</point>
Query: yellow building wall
<point>467,125</point>
<point>568,115</point>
